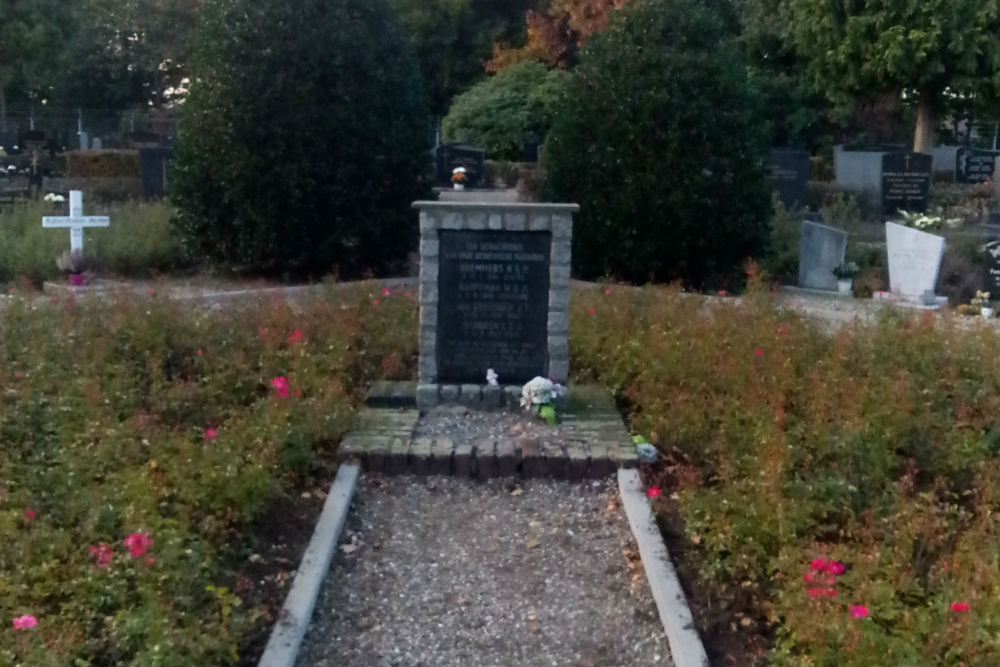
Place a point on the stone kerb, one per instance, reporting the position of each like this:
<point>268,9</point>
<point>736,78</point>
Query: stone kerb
<point>435,216</point>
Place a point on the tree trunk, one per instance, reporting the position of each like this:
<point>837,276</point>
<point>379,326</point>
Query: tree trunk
<point>923,137</point>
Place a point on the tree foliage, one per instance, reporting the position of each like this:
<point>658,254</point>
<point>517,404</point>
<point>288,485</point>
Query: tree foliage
<point>109,54</point>
<point>661,142</point>
<point>556,33</point>
<point>303,140</point>
<point>499,113</point>
<point>918,48</point>
<point>452,39</point>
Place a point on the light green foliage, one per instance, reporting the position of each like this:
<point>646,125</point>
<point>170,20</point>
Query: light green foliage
<point>661,141</point>
<point>498,114</point>
<point>917,47</point>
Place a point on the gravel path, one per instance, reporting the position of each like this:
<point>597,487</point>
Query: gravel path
<point>445,572</point>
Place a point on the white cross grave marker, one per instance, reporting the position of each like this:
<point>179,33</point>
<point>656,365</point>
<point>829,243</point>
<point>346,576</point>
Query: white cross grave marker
<point>76,221</point>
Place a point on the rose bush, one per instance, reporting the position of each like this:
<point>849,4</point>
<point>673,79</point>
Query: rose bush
<point>141,440</point>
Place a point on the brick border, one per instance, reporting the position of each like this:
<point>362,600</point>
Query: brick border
<point>435,216</point>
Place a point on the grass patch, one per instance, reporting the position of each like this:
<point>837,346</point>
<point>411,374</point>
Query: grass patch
<point>141,417</point>
<point>816,474</point>
<point>139,243</point>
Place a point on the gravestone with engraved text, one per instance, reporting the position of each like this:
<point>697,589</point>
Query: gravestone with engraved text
<point>906,179</point>
<point>788,174</point>
<point>973,165</point>
<point>494,294</point>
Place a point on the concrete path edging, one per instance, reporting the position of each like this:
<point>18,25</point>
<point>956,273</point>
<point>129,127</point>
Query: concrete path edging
<point>293,621</point>
<point>686,648</point>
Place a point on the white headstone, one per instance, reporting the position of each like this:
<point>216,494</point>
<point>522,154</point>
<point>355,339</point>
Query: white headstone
<point>76,220</point>
<point>914,260</point>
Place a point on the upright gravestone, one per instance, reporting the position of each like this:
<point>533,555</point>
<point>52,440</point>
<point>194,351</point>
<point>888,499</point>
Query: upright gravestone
<point>914,261</point>
<point>451,156</point>
<point>154,169</point>
<point>494,294</point>
<point>821,249</point>
<point>788,174</point>
<point>973,165</point>
<point>906,179</point>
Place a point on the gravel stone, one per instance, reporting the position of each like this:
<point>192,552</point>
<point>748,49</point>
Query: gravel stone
<point>463,425</point>
<point>446,572</point>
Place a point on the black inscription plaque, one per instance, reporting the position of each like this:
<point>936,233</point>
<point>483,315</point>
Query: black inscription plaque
<point>992,282</point>
<point>906,177</point>
<point>788,174</point>
<point>973,165</point>
<point>493,305</point>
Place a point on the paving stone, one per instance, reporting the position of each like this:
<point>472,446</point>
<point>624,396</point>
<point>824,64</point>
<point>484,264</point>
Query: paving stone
<point>601,464</point>
<point>471,395</point>
<point>507,457</point>
<point>463,459</point>
<point>492,397</point>
<point>387,394</point>
<point>420,456</point>
<point>441,457</point>
<point>486,464</point>
<point>374,458</point>
<point>396,462</point>
<point>450,393</point>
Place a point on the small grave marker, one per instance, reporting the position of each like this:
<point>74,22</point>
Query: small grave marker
<point>76,221</point>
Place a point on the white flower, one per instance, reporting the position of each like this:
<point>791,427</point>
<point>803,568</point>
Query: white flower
<point>491,377</point>
<point>458,170</point>
<point>537,391</point>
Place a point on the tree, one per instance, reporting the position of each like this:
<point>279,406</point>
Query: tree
<point>452,39</point>
<point>128,53</point>
<point>556,33</point>
<point>920,49</point>
<point>799,114</point>
<point>33,34</point>
<point>498,113</point>
<point>303,139</point>
<point>661,141</point>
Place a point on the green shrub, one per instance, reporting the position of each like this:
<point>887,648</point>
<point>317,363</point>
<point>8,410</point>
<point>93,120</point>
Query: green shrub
<point>782,260</point>
<point>141,415</point>
<point>500,173</point>
<point>661,141</point>
<point>498,114</point>
<point>787,448</point>
<point>304,139</point>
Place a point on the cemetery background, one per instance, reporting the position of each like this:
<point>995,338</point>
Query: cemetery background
<point>850,449</point>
